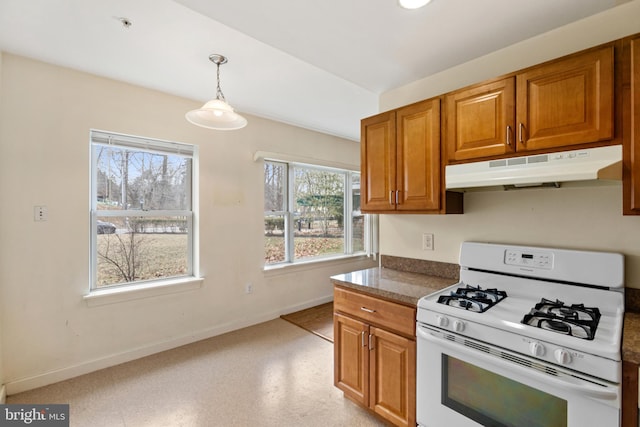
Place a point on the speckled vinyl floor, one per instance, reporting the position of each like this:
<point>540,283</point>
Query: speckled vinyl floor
<point>271,374</point>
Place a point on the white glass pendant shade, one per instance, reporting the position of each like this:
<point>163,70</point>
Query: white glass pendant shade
<point>413,4</point>
<point>216,114</point>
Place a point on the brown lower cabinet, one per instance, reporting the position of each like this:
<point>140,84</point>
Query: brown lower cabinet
<point>375,355</point>
<point>629,394</point>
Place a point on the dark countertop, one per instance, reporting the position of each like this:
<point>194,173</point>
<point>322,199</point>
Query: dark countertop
<point>393,285</point>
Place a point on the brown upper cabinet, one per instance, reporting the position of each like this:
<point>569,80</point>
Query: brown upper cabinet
<point>561,103</point>
<point>631,118</point>
<point>400,159</point>
<point>480,120</point>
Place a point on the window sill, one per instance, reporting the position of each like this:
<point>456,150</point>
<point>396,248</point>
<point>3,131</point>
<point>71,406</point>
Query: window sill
<point>128,293</point>
<point>277,269</point>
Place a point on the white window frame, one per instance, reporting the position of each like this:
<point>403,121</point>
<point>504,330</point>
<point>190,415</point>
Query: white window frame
<point>289,223</point>
<point>181,282</point>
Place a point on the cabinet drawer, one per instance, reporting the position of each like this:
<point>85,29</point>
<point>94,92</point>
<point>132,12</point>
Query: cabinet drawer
<point>396,317</point>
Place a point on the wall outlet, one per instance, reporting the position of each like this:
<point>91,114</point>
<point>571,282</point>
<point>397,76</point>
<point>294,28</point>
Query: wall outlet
<point>248,288</point>
<point>427,242</point>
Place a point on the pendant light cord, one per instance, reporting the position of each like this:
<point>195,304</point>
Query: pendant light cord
<point>219,94</point>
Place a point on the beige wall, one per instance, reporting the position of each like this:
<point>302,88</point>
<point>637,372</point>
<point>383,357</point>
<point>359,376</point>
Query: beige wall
<point>588,218</point>
<point>49,333</point>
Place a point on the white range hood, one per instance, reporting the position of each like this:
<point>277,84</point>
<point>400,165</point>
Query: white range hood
<point>602,163</point>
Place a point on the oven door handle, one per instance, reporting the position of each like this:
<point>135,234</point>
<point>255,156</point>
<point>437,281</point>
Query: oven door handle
<point>594,392</point>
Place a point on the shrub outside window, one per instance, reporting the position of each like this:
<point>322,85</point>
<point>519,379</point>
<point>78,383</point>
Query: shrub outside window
<point>311,212</point>
<point>141,209</point>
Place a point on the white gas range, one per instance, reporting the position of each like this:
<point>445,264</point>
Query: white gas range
<point>530,336</point>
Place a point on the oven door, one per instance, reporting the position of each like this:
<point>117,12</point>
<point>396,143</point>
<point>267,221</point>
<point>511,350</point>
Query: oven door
<point>462,382</point>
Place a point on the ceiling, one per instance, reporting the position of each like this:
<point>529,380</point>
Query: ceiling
<point>317,64</point>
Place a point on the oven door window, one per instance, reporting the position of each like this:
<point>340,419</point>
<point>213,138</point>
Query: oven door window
<point>493,400</point>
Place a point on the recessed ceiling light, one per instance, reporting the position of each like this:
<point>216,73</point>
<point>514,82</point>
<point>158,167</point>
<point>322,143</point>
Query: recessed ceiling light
<point>126,22</point>
<point>413,4</point>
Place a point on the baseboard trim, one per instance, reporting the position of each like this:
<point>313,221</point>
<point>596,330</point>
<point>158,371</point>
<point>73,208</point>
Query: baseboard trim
<point>54,376</point>
<point>308,304</point>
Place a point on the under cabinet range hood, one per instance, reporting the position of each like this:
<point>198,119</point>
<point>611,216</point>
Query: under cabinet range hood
<point>601,163</point>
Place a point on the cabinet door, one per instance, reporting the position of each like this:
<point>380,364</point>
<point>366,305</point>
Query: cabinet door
<point>351,358</point>
<point>631,144</point>
<point>418,156</point>
<point>566,102</point>
<point>378,162</point>
<point>481,121</point>
<point>393,377</point>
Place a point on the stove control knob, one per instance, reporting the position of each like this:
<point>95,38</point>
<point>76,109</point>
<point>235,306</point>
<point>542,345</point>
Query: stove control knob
<point>458,326</point>
<point>442,321</point>
<point>562,356</point>
<point>537,349</point>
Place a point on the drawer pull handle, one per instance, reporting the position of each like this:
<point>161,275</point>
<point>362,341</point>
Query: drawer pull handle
<point>364,344</point>
<point>368,310</point>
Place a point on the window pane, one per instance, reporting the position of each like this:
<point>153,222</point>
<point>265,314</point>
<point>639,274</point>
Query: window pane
<point>154,177</point>
<point>140,248</point>
<point>355,192</point>
<point>275,179</point>
<point>315,200</point>
<point>128,179</point>
<point>357,219</point>
<point>318,207</point>
<point>274,247</point>
<point>358,233</point>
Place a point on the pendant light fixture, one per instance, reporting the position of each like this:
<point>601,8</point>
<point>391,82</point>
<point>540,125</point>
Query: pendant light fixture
<point>413,4</point>
<point>217,114</point>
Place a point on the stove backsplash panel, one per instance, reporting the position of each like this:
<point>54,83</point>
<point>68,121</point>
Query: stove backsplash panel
<point>421,266</point>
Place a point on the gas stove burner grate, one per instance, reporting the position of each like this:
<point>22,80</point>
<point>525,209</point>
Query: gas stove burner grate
<point>473,298</point>
<point>574,320</point>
